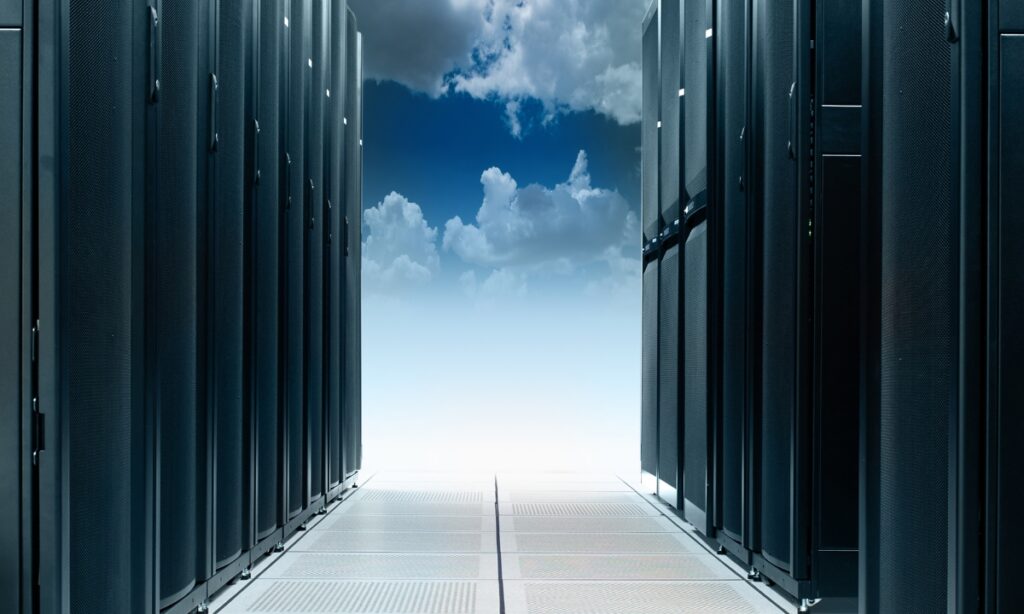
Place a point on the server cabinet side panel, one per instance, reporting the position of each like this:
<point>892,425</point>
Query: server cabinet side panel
<point>12,408</point>
<point>838,241</point>
<point>1009,370</point>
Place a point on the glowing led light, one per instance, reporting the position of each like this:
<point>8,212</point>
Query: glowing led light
<point>682,92</point>
<point>707,33</point>
<point>286,22</point>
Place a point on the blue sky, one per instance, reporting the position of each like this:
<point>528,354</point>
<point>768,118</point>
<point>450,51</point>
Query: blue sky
<point>501,199</point>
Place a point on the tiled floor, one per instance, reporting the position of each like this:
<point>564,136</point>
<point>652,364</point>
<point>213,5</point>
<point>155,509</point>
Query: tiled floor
<point>408,543</point>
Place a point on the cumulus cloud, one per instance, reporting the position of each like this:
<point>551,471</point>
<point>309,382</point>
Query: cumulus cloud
<point>537,228</point>
<point>570,55</point>
<point>401,248</point>
<point>417,43</point>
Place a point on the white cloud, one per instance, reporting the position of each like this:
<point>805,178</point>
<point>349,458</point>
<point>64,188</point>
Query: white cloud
<point>537,228</point>
<point>417,43</point>
<point>570,55</point>
<point>401,248</point>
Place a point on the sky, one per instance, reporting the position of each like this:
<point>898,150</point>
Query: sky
<point>501,271</point>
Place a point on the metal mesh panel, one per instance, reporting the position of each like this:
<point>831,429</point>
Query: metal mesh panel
<point>649,129</point>
<point>735,325</point>
<point>96,273</point>
<point>695,103</point>
<point>695,357</point>
<point>265,254</point>
<point>174,308</point>
<point>920,267</point>
<point>226,284</point>
<point>369,597</point>
<point>351,424</point>
<point>671,75</point>
<point>315,205</point>
<point>781,243</point>
<point>335,275</point>
<point>649,400</point>
<point>668,369</point>
<point>295,251</point>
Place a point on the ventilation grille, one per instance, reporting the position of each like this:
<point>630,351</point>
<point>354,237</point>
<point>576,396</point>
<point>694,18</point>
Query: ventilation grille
<point>675,567</point>
<point>603,543</point>
<point>554,524</point>
<point>330,541</point>
<point>422,509</point>
<point>637,598</point>
<point>424,496</point>
<point>381,566</point>
<point>412,523</point>
<point>369,597</point>
<point>579,509</point>
<point>570,497</point>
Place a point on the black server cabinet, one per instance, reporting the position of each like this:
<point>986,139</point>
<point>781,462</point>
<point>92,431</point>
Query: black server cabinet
<point>670,298</point>
<point>808,116</point>
<point>264,254</point>
<point>669,304</point>
<point>314,213</point>
<point>670,88</point>
<point>351,386</point>
<point>650,213</point>
<point>225,290</point>
<point>651,122</point>
<point>16,474</point>
<point>1005,488</point>
<point>95,531</point>
<point>649,395</point>
<point>735,522</point>
<point>172,185</point>
<point>334,272</point>
<point>786,380</point>
<point>296,96</point>
<point>697,400</point>
<point>942,359</point>
<point>919,352</point>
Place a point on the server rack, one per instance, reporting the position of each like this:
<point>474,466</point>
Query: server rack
<point>124,457</point>
<point>650,206</point>
<point>736,526</point>
<point>266,327</point>
<point>17,413</point>
<point>225,279</point>
<point>334,268</point>
<point>352,386</point>
<point>944,234</point>
<point>698,354</point>
<point>314,283</point>
<point>671,281</point>
<point>172,142</point>
<point>808,113</point>
<point>94,506</point>
<point>295,96</point>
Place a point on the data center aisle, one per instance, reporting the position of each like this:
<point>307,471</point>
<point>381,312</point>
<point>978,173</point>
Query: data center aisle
<point>512,544</point>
